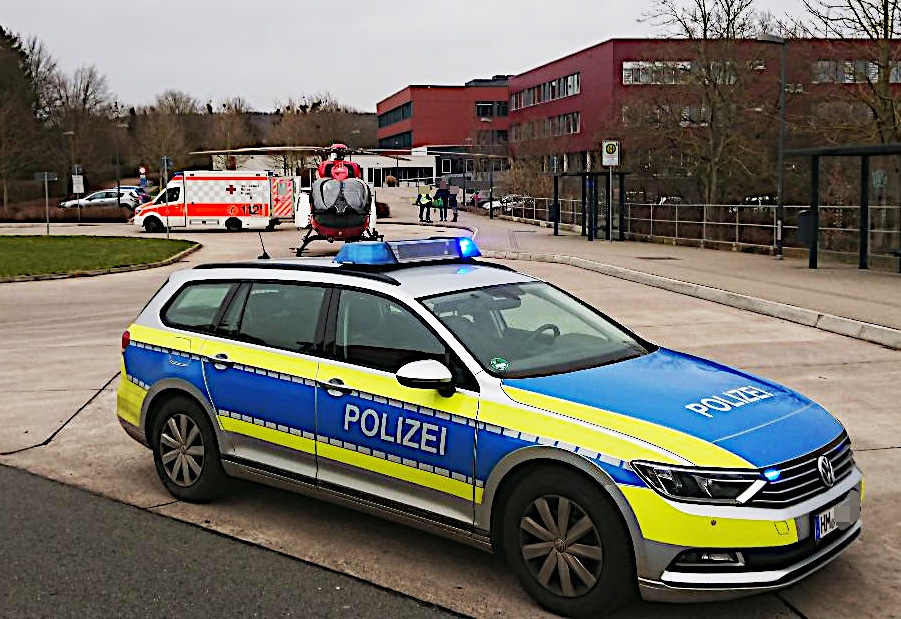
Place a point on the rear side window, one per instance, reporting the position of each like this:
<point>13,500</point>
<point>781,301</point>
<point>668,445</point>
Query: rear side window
<point>196,306</point>
<point>281,316</point>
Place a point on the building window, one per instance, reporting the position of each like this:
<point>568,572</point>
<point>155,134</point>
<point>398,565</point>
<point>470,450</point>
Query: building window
<point>502,108</point>
<point>399,141</point>
<point>845,71</point>
<point>657,72</point>
<point>694,116</point>
<point>401,112</point>
<point>559,88</point>
<point>894,75</point>
<point>484,109</point>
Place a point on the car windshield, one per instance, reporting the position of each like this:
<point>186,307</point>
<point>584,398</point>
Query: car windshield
<point>532,329</point>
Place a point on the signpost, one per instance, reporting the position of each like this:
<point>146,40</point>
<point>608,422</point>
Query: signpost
<point>46,177</point>
<point>610,158</point>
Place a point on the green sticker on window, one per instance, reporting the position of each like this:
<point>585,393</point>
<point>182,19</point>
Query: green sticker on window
<point>499,364</point>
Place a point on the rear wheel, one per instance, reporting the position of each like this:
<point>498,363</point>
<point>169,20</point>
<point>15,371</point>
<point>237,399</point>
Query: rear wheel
<point>152,224</point>
<point>185,451</point>
<point>233,224</point>
<point>566,544</point>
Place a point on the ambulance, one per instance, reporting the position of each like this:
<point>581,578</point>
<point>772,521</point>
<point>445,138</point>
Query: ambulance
<point>229,199</point>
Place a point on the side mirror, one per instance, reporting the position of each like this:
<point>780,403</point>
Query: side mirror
<point>427,374</point>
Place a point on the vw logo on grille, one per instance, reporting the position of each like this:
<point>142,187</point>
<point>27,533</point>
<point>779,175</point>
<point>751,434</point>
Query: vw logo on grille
<point>827,473</point>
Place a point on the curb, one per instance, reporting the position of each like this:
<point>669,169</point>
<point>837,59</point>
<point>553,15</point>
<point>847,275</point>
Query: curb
<point>135,267</point>
<point>876,334</point>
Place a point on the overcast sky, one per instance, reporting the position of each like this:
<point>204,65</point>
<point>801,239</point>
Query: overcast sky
<point>359,51</point>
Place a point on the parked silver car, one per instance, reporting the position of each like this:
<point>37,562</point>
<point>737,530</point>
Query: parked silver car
<point>104,197</point>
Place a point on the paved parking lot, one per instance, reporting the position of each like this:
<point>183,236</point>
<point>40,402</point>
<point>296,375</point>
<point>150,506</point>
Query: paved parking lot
<point>60,354</point>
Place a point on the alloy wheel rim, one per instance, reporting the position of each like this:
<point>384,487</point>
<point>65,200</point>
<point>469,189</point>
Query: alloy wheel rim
<point>561,546</point>
<point>181,450</point>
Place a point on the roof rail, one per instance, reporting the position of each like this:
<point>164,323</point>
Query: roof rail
<point>318,268</point>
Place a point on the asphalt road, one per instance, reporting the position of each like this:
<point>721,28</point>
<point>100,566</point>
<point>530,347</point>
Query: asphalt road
<point>60,356</point>
<point>69,553</point>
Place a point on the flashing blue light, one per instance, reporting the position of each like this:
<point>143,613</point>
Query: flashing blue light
<point>366,252</point>
<point>468,247</point>
<point>377,253</point>
<point>772,474</point>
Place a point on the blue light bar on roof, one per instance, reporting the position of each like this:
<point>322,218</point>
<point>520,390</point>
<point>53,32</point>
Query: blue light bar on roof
<point>366,252</point>
<point>376,253</point>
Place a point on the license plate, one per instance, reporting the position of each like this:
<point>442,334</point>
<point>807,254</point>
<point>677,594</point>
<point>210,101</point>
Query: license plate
<point>824,523</point>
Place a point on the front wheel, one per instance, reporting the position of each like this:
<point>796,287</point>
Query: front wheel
<point>152,224</point>
<point>185,452</point>
<point>233,224</point>
<point>565,542</point>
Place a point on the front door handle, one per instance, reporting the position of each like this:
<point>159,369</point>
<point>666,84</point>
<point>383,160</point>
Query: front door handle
<point>336,387</point>
<point>221,361</point>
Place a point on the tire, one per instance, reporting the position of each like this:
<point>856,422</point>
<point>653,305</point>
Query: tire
<point>233,224</point>
<point>598,573</point>
<point>185,451</point>
<point>152,224</point>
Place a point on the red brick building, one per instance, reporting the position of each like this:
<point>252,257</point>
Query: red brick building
<point>558,113</point>
<point>423,115</point>
<point>578,100</point>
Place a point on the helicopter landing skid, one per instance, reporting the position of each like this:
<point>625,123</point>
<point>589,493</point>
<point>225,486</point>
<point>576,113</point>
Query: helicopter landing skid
<point>368,235</point>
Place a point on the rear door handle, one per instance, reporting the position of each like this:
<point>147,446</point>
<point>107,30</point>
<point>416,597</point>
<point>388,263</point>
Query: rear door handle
<point>221,361</point>
<point>336,387</point>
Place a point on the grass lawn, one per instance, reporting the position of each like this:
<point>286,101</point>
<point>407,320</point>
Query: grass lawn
<point>46,255</point>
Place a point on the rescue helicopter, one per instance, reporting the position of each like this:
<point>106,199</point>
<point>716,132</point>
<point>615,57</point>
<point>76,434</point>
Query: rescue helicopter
<point>340,205</point>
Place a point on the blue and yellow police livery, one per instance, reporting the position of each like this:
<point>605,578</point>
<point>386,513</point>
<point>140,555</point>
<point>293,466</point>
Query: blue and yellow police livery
<point>410,379</point>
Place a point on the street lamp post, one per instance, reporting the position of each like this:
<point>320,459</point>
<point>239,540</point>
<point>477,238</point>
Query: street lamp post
<point>490,168</point>
<point>780,157</point>
<point>119,125</point>
<point>70,139</point>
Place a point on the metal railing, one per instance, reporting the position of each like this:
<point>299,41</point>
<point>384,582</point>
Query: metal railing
<point>739,227</point>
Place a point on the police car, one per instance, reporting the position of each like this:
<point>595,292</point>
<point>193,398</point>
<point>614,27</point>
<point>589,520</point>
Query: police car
<point>411,379</point>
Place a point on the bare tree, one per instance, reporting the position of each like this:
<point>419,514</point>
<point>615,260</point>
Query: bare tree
<point>231,127</point>
<point>872,75</point>
<point>705,114</point>
<point>19,142</point>
<point>707,19</point>
<point>176,102</point>
<point>160,135</point>
<point>43,70</point>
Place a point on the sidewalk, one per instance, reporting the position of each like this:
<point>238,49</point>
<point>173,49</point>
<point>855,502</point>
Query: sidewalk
<point>843,299</point>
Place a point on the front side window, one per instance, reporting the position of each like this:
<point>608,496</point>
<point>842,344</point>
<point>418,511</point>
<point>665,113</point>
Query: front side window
<point>378,333</point>
<point>170,195</point>
<point>196,306</point>
<point>532,329</point>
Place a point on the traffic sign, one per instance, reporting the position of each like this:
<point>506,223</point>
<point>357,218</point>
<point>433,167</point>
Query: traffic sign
<point>77,183</point>
<point>610,153</point>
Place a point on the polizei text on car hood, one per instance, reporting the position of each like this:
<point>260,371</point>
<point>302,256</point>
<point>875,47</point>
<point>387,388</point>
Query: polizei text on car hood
<point>757,420</point>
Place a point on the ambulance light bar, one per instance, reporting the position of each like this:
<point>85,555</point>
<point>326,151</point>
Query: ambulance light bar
<point>377,253</point>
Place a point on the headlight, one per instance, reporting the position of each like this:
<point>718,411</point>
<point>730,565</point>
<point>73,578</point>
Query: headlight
<point>694,485</point>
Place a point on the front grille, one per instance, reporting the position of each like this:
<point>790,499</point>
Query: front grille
<point>800,479</point>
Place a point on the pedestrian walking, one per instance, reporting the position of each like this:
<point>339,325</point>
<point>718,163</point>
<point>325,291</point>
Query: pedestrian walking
<point>453,205</point>
<point>425,207</point>
<point>442,197</point>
